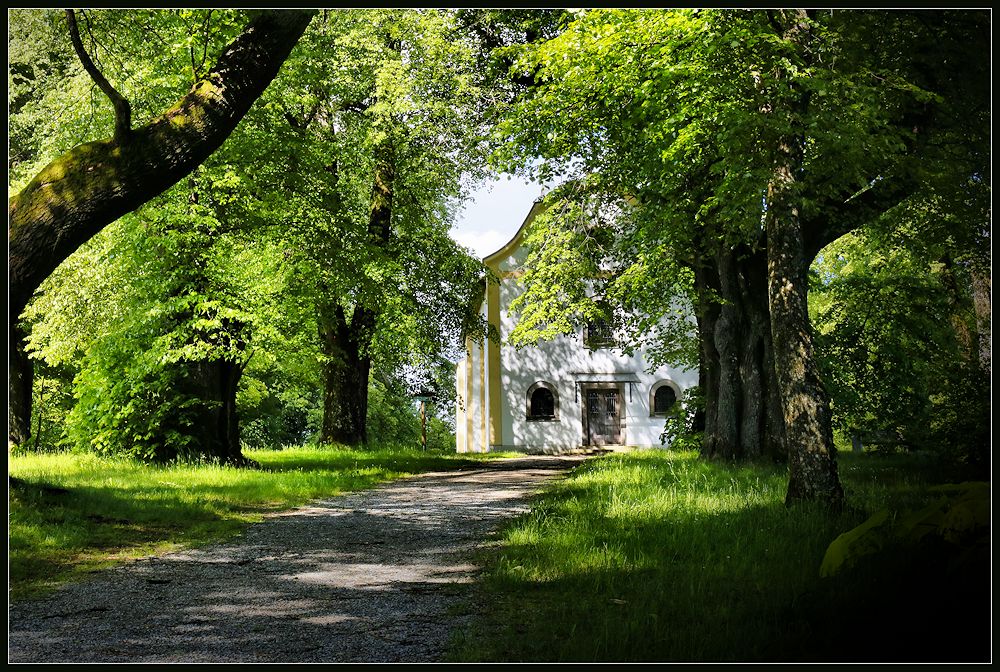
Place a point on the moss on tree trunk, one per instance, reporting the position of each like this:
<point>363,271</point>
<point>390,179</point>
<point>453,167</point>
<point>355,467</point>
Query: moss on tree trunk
<point>95,183</point>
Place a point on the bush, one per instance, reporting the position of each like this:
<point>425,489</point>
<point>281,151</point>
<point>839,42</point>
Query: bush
<point>394,419</point>
<point>679,430</point>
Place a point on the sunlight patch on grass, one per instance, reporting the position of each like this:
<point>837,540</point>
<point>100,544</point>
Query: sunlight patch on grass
<point>72,513</point>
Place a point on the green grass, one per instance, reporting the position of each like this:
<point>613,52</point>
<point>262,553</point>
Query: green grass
<point>661,556</point>
<point>71,514</point>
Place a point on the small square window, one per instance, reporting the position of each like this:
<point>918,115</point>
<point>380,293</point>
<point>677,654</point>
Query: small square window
<point>598,334</point>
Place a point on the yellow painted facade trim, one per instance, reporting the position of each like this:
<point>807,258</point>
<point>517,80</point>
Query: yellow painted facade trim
<point>482,400</point>
<point>491,348</point>
<point>468,395</point>
<point>493,316</point>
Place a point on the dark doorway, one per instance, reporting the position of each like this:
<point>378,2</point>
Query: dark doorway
<point>602,415</point>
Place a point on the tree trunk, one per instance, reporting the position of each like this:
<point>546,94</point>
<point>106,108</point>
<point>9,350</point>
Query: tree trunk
<point>729,330</point>
<point>346,346</point>
<point>216,382</point>
<point>95,183</point>
<point>736,372</point>
<point>812,460</point>
<point>346,374</point>
<point>20,378</point>
<point>982,290</point>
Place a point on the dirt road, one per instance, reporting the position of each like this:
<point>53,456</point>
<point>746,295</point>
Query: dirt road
<point>373,576</point>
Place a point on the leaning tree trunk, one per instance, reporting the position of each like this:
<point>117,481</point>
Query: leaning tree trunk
<point>812,459</point>
<point>736,372</point>
<point>95,183</point>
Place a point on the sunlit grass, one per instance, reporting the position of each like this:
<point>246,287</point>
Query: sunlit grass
<point>660,555</point>
<point>73,513</point>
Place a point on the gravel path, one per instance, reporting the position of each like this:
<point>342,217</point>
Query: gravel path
<point>374,576</point>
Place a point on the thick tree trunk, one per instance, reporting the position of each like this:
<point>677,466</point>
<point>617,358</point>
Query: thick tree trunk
<point>216,383</point>
<point>777,443</point>
<point>729,330</point>
<point>736,372</point>
<point>812,460</point>
<point>95,183</point>
<point>346,374</point>
<point>708,356</point>
<point>20,378</point>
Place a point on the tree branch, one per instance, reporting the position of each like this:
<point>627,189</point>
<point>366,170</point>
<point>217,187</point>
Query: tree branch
<point>123,110</point>
<point>833,220</point>
<point>95,183</point>
<point>204,51</point>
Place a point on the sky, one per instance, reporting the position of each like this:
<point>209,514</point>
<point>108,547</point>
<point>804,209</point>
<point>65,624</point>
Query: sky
<point>494,213</point>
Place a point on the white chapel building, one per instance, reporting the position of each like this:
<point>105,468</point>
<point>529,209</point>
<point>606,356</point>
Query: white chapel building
<point>567,393</point>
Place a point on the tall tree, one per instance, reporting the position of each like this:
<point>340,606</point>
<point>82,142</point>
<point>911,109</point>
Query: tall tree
<point>94,183</point>
<point>808,430</point>
<point>386,143</point>
<point>747,140</point>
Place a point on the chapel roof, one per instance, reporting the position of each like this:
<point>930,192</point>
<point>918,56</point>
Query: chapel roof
<point>493,260</point>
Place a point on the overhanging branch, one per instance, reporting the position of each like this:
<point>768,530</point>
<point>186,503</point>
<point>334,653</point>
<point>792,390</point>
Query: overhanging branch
<point>123,110</point>
<point>97,182</point>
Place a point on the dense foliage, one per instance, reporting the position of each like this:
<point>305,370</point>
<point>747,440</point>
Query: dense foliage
<point>903,347</point>
<point>303,273</point>
<point>213,295</point>
<point>715,153</point>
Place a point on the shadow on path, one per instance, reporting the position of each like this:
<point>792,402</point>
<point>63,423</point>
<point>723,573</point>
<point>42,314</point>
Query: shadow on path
<point>375,576</point>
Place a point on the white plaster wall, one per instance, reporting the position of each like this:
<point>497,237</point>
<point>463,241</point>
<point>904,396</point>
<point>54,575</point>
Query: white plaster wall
<point>561,362</point>
<point>461,407</point>
<point>475,404</point>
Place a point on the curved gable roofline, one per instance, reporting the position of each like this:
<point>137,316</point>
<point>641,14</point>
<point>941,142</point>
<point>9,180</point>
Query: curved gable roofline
<point>492,261</point>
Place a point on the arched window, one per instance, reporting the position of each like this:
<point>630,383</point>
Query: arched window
<point>662,397</point>
<point>542,402</point>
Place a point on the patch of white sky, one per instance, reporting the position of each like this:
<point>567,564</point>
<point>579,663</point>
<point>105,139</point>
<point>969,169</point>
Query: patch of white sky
<point>494,212</point>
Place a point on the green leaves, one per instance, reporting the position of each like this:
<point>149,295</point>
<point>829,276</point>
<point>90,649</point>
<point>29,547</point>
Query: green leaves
<point>889,318</point>
<point>564,251</point>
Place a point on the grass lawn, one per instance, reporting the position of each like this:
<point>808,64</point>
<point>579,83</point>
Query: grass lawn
<point>71,514</point>
<point>661,556</point>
